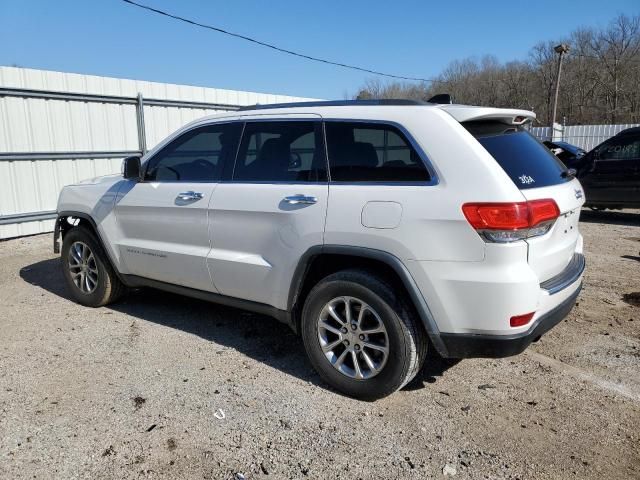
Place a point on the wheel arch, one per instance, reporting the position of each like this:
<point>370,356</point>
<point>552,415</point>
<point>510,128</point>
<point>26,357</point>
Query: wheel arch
<point>62,226</point>
<point>322,260</point>
<point>84,218</point>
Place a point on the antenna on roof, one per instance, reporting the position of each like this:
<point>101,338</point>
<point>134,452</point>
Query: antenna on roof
<point>441,99</point>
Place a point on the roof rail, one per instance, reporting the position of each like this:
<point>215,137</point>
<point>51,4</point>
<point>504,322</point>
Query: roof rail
<point>335,103</point>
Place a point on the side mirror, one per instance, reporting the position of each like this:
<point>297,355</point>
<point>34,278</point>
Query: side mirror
<point>131,168</point>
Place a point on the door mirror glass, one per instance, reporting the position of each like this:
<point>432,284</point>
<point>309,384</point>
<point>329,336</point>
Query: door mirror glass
<point>131,168</point>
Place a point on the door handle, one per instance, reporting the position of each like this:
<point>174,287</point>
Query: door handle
<point>190,195</point>
<point>300,199</point>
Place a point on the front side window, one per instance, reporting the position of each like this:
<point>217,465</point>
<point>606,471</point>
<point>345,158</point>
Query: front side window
<point>196,156</point>
<point>620,148</point>
<point>369,152</point>
<point>281,152</point>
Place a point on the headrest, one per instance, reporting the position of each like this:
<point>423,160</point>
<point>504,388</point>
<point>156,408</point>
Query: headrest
<point>356,154</point>
<point>275,152</point>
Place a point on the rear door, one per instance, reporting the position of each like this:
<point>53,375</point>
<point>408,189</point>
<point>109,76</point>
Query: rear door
<point>270,211</point>
<point>613,177</point>
<point>539,175</point>
<point>163,219</point>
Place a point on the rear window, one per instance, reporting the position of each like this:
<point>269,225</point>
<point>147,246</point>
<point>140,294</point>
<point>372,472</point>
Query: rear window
<point>527,162</point>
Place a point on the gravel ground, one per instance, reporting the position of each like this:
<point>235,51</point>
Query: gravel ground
<point>161,386</point>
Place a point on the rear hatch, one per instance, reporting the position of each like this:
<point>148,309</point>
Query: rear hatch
<point>539,175</point>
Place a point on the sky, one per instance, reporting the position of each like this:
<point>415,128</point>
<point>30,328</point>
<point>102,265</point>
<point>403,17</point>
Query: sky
<point>409,38</point>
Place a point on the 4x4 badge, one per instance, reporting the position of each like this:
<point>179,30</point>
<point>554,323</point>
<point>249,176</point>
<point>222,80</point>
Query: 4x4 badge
<point>578,194</point>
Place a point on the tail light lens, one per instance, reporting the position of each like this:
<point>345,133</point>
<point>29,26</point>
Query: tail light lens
<point>509,222</point>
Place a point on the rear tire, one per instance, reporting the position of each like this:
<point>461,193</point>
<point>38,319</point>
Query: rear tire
<point>387,341</point>
<point>88,274</point>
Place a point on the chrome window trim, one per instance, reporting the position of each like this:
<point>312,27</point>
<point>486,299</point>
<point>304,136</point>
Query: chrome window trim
<point>267,182</point>
<point>222,121</point>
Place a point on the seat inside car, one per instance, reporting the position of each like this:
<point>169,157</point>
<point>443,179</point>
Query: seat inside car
<point>272,161</point>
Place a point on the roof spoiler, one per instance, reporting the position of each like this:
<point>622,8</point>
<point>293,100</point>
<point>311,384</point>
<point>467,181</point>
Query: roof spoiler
<point>441,99</point>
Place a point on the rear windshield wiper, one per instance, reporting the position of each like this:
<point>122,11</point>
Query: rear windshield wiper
<point>568,173</point>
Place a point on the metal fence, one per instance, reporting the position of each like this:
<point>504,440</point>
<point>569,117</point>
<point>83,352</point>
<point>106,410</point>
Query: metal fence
<point>58,128</point>
<point>583,136</point>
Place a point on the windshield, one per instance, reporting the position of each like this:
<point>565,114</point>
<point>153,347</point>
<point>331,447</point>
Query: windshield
<point>527,162</point>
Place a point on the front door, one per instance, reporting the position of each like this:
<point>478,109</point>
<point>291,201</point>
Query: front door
<point>163,219</point>
<point>270,211</point>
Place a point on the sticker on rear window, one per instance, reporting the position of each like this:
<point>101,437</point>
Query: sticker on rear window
<point>526,179</point>
<point>527,162</point>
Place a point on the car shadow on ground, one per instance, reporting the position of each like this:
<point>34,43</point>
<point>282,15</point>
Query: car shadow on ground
<point>611,217</point>
<point>259,337</point>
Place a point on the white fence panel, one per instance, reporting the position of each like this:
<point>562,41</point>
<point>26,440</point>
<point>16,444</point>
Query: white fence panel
<point>90,136</point>
<point>583,136</point>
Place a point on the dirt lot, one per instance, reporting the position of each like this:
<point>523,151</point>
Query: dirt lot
<point>168,387</point>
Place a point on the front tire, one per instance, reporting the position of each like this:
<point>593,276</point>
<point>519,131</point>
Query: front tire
<point>88,274</point>
<point>361,337</point>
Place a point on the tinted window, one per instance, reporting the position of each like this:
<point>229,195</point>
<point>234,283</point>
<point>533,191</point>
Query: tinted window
<point>281,152</point>
<point>364,152</point>
<point>195,156</point>
<point>619,148</point>
<point>527,162</point>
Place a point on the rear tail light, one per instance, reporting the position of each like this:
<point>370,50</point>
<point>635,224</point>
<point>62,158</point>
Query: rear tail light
<point>509,222</point>
<point>520,320</point>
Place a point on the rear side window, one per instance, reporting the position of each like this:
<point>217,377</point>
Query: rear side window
<point>371,152</point>
<point>281,152</point>
<point>527,162</point>
<point>195,156</point>
<point>619,148</point>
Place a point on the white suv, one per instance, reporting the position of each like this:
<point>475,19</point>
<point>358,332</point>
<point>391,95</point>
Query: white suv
<point>377,230</point>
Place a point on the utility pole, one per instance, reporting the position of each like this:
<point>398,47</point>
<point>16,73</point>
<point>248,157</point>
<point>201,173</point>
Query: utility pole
<point>561,50</point>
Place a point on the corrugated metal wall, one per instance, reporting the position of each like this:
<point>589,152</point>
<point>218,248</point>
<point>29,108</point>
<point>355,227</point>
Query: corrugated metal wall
<point>583,136</point>
<point>30,124</point>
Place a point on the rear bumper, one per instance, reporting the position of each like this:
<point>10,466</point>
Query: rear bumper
<point>463,345</point>
<point>569,275</point>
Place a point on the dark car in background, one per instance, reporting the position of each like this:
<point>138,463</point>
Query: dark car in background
<point>569,154</point>
<point>610,173</point>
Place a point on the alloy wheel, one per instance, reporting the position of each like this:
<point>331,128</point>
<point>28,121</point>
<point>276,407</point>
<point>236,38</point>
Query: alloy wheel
<point>353,337</point>
<point>83,267</point>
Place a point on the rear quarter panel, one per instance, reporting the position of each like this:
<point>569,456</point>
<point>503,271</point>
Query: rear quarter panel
<point>432,226</point>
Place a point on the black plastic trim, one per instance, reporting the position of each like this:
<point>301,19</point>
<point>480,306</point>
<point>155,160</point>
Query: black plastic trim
<point>569,275</point>
<point>392,261</point>
<point>283,316</point>
<point>463,345</point>
<point>56,235</point>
